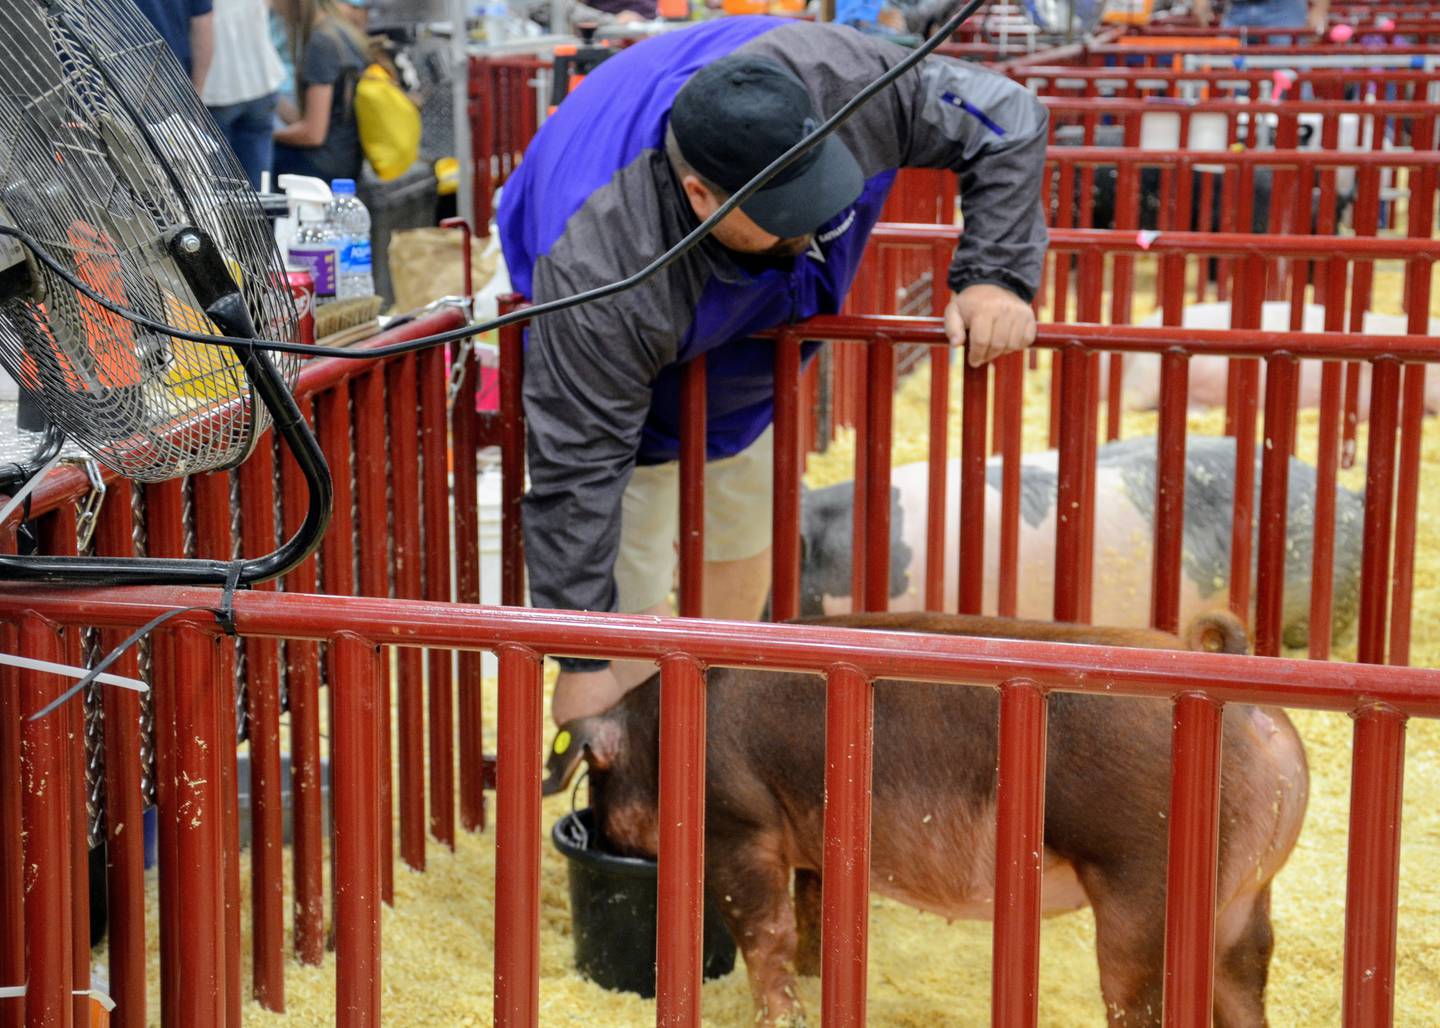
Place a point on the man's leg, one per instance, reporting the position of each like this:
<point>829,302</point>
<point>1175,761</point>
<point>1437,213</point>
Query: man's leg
<point>644,579</point>
<point>738,521</point>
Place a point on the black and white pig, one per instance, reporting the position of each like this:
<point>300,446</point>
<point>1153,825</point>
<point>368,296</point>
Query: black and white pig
<point>933,827</point>
<point>1124,536</point>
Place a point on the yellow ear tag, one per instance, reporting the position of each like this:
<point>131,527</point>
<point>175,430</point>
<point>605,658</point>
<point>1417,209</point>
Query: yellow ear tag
<point>562,743</point>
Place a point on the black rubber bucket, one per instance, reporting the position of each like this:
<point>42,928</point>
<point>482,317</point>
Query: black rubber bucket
<point>612,905</point>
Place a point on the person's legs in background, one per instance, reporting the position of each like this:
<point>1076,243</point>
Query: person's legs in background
<point>249,129</point>
<point>1266,14</point>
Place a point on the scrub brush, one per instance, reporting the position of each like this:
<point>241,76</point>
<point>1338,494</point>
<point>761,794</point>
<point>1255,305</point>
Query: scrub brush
<point>342,322</point>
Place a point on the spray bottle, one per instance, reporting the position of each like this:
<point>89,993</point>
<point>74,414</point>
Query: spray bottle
<point>305,237</point>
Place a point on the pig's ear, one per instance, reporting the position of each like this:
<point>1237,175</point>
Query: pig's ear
<point>1216,631</point>
<point>594,739</point>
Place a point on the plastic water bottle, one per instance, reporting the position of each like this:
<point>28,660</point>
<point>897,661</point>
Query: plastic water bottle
<point>351,223</point>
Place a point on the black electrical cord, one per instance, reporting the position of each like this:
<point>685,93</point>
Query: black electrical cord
<point>826,128</point>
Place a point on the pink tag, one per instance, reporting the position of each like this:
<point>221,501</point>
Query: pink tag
<point>1342,33</point>
<point>1146,237</point>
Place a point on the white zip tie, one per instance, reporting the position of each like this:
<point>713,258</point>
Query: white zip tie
<point>13,991</point>
<point>99,997</point>
<point>70,671</point>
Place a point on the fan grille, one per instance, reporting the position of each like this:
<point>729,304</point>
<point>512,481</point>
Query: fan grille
<point>105,148</point>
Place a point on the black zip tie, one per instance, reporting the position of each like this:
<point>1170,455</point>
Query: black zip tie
<point>226,614</point>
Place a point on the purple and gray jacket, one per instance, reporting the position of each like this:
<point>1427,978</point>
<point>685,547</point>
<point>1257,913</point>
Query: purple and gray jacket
<point>595,200</point>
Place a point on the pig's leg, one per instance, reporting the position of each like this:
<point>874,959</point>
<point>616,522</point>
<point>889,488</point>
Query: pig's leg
<point>1129,940</point>
<point>1242,964</point>
<point>807,922</point>
<point>750,879</point>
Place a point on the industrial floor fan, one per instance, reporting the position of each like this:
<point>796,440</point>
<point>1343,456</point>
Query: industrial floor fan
<point>113,177</point>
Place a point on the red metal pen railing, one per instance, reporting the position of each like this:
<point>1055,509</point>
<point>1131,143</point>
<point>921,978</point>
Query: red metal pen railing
<point>1382,699</point>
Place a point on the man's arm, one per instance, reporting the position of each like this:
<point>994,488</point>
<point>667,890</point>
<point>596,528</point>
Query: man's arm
<point>202,48</point>
<point>992,133</point>
<point>1319,16</point>
<point>588,375</point>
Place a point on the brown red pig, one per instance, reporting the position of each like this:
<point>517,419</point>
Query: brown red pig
<point>933,830</point>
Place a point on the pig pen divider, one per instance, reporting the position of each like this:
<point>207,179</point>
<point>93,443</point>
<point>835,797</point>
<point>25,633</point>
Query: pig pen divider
<point>357,628</point>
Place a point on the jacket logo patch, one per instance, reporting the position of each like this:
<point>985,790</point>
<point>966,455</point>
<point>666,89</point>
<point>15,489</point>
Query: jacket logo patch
<point>970,109</point>
<point>815,253</point>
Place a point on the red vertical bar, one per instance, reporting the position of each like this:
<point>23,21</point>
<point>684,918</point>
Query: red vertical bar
<point>512,467</point>
<point>1366,220</point>
<point>1372,888</point>
<point>1418,275</point>
<point>861,422</point>
<point>405,510</point>
<point>435,484</point>
<point>12,839</point>
<point>1322,568</point>
<point>262,697</point>
<point>1070,488</point>
<point>338,547</point>
<point>682,842</point>
<point>1170,492</point>
<point>370,478</point>
<point>1086,513</point>
<point>972,489</point>
<point>1281,382</point>
<point>464,437</point>
<point>1191,876</point>
<point>845,888</point>
<point>1019,839</point>
<point>936,484</point>
<point>214,539</point>
<point>1246,374</point>
<point>878,413</point>
<point>356,769</point>
<point>197,803</point>
<point>517,840</point>
<point>58,537</point>
<point>165,537</point>
<point>1379,509</point>
<point>302,680</point>
<point>46,814</point>
<point>785,552</point>
<point>692,488</point>
<point>1011,392</point>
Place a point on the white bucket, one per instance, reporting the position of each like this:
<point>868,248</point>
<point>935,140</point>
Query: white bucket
<point>1209,132</point>
<point>1160,131</point>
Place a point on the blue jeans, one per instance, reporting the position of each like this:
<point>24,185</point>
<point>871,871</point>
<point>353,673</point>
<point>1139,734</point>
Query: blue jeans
<point>1268,14</point>
<point>248,128</point>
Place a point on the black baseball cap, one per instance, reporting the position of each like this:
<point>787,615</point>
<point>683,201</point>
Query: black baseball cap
<point>738,114</point>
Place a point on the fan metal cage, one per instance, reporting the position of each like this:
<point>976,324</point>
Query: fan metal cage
<point>104,149</point>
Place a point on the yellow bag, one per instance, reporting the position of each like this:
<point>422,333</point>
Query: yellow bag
<point>389,123</point>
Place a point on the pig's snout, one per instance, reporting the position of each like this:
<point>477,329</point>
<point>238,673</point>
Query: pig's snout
<point>594,739</point>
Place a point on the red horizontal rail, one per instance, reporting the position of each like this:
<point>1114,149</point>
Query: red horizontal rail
<point>1143,339</point>
<point>1208,244</point>
<point>1108,107</point>
<point>1052,666</point>
<point>1225,76</point>
<point>1312,160</point>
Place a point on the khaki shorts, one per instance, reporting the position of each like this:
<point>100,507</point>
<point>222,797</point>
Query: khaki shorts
<point>738,504</point>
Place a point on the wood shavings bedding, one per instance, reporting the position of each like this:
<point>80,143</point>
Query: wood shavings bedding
<point>438,941</point>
